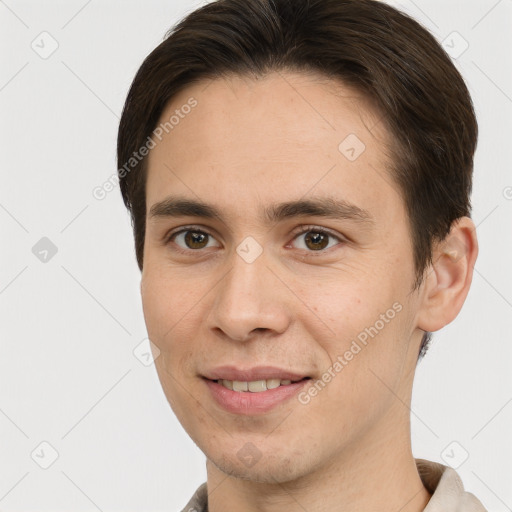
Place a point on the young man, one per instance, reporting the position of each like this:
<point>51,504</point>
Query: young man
<point>298,175</point>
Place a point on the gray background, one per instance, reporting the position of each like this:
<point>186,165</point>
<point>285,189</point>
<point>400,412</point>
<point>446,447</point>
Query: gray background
<point>70,321</point>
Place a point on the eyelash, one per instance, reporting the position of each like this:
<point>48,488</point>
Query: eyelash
<point>305,229</point>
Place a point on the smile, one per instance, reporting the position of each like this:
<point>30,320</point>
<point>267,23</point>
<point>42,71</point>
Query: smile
<point>253,397</point>
<point>255,386</point>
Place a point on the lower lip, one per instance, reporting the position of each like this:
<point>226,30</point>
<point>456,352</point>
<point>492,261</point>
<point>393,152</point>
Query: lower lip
<point>247,402</point>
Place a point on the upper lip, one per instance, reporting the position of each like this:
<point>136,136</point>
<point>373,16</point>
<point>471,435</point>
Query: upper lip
<point>251,374</point>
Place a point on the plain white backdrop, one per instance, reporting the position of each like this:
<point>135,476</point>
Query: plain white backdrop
<point>71,314</point>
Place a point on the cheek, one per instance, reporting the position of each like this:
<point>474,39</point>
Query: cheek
<point>350,305</point>
<point>165,301</point>
<point>369,323</point>
<point>168,314</point>
<point>161,316</point>
<point>156,305</point>
<point>173,314</point>
<point>367,361</point>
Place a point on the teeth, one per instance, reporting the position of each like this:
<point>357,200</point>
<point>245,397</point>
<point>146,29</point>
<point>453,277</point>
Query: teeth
<point>239,386</point>
<point>257,385</point>
<point>227,383</point>
<point>254,386</point>
<point>273,383</point>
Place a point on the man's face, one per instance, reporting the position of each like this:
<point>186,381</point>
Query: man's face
<point>246,292</point>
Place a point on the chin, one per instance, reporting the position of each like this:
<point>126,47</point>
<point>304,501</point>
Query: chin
<point>268,469</point>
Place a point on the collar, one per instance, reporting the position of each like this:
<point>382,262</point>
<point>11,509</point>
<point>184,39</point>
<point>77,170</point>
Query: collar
<point>445,485</point>
<point>442,482</point>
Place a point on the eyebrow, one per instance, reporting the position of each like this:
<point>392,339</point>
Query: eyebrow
<point>326,207</point>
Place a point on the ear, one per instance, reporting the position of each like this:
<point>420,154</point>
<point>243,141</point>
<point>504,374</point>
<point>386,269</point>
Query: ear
<point>448,279</point>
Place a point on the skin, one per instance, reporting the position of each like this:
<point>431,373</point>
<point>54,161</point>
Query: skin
<point>249,143</point>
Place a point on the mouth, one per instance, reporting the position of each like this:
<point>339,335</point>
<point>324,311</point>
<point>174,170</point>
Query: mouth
<point>255,386</point>
<point>254,397</point>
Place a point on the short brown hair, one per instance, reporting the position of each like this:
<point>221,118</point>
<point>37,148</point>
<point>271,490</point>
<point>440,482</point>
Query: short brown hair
<point>385,54</point>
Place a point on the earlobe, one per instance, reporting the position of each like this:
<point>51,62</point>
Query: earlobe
<point>449,278</point>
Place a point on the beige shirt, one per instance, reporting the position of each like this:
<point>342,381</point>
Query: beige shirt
<point>443,482</point>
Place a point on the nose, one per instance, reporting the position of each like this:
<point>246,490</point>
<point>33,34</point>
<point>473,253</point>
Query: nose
<point>250,299</point>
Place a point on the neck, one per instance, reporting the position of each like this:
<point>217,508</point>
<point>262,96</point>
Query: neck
<point>376,473</point>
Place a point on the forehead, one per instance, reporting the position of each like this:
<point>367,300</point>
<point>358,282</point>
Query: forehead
<point>278,137</point>
<point>298,108</point>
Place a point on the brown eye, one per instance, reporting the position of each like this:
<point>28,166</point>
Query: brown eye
<point>316,239</point>
<point>195,239</point>
<point>190,239</point>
